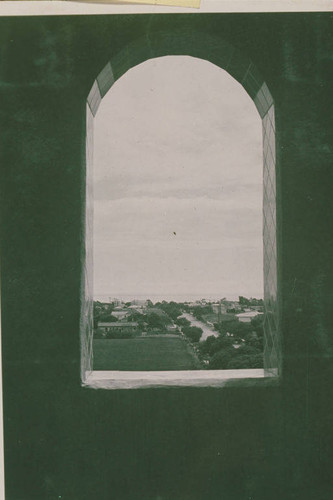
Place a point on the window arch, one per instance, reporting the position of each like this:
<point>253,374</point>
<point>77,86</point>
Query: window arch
<point>243,70</point>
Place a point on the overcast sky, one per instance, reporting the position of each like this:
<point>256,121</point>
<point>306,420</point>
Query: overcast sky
<point>177,184</point>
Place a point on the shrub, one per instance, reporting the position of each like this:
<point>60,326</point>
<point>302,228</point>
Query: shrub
<point>192,332</point>
<point>248,350</point>
<point>214,344</point>
<point>221,359</point>
<point>246,362</point>
<point>182,322</point>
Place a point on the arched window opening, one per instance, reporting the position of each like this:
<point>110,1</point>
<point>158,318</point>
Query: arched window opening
<point>177,224</point>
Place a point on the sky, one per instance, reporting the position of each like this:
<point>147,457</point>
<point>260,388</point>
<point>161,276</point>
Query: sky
<point>177,184</point>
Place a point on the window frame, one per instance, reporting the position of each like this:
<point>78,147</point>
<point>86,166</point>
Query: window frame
<point>244,71</point>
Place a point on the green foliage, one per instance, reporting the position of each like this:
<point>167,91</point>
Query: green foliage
<point>183,322</point>
<point>172,309</point>
<point>122,334</point>
<point>107,318</point>
<point>257,325</point>
<point>244,301</point>
<point>232,359</point>
<point>246,361</point>
<point>199,311</point>
<point>254,341</point>
<point>238,329</point>
<point>155,320</point>
<point>206,347</point>
<point>99,333</point>
<point>139,318</point>
<point>192,332</point>
<point>221,359</point>
<point>214,344</point>
<point>247,350</point>
<point>224,356</point>
<point>101,311</point>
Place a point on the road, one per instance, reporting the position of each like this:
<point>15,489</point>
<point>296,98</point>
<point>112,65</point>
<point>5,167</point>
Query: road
<point>207,330</point>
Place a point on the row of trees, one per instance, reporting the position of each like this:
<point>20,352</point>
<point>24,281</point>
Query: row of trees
<point>252,333</point>
<point>193,333</point>
<point>121,334</point>
<point>172,309</point>
<point>244,301</point>
<point>199,311</point>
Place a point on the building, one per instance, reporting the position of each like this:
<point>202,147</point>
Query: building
<point>139,302</point>
<point>118,327</point>
<point>115,301</point>
<point>172,329</point>
<point>219,308</point>
<point>246,317</point>
<point>121,314</point>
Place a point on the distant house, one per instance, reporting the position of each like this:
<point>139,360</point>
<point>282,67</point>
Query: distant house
<point>138,309</point>
<point>116,302</point>
<point>120,313</point>
<point>118,327</point>
<point>234,305</point>
<point>219,308</point>
<point>246,317</point>
<point>172,328</point>
<point>139,302</point>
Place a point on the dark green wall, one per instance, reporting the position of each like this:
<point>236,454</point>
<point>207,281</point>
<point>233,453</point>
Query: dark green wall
<point>64,441</point>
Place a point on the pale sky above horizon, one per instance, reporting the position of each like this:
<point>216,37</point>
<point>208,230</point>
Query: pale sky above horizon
<point>177,184</point>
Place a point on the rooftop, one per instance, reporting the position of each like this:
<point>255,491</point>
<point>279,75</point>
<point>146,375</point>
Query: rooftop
<point>249,314</point>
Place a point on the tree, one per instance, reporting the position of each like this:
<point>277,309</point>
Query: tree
<point>246,362</point>
<point>155,320</point>
<point>192,332</point>
<point>238,329</point>
<point>182,322</point>
<point>206,347</point>
<point>99,333</point>
<point>254,341</point>
<point>172,309</point>
<point>247,350</point>
<point>199,311</point>
<point>243,301</point>
<point>257,324</point>
<point>221,359</point>
<point>107,318</point>
<point>102,311</point>
<point>214,344</point>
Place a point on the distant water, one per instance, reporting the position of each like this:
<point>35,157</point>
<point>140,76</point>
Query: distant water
<point>170,297</point>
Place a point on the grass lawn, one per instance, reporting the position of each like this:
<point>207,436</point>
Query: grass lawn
<point>145,354</point>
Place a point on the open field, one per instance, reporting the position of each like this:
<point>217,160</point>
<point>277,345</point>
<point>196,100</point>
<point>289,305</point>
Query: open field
<point>144,353</point>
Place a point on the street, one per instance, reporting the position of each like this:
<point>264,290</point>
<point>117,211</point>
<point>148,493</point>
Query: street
<point>207,330</point>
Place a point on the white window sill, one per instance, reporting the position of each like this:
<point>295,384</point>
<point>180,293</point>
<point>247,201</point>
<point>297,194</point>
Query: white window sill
<point>189,378</point>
